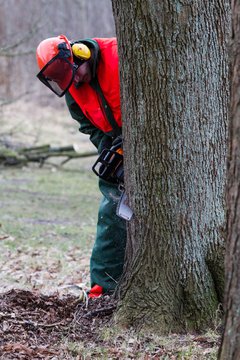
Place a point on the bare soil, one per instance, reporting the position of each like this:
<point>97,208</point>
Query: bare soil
<point>36,326</point>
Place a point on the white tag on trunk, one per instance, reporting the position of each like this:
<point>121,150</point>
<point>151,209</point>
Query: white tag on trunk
<point>123,210</point>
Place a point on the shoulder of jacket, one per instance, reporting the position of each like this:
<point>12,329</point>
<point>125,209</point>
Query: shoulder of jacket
<point>106,42</point>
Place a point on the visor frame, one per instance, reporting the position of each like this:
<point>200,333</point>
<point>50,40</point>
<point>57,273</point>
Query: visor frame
<point>64,56</point>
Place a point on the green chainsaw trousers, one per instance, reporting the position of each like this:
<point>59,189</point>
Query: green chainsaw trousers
<point>106,264</point>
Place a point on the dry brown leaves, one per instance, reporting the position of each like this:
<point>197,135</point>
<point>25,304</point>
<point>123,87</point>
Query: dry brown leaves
<point>33,325</point>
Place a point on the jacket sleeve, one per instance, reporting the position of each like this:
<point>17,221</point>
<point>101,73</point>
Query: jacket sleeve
<point>99,139</point>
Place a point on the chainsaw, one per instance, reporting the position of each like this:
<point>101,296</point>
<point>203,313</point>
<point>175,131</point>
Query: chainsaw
<point>109,167</point>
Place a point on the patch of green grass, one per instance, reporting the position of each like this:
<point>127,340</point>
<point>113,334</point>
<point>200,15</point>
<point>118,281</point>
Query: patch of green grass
<point>50,212</point>
<point>38,202</point>
<point>115,344</point>
<point>130,344</point>
<point>88,352</point>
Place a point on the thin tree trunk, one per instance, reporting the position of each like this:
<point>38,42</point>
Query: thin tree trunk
<point>230,348</point>
<point>173,64</point>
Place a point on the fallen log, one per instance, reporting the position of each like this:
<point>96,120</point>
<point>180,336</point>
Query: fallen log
<point>40,154</point>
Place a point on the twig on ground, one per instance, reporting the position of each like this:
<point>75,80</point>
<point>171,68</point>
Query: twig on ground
<point>13,319</point>
<point>103,311</point>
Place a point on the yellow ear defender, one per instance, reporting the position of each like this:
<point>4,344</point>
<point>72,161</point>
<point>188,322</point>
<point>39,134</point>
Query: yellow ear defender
<point>81,51</point>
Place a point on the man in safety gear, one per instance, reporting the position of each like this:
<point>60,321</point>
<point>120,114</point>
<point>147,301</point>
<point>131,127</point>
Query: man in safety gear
<point>86,72</point>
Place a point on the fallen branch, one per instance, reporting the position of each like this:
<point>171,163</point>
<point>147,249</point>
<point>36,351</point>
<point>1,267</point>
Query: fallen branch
<point>39,154</point>
<point>103,311</point>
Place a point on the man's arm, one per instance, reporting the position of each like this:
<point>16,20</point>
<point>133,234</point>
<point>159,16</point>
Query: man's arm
<point>99,139</point>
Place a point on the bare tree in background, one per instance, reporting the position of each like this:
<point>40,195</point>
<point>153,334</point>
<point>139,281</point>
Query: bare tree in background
<point>24,23</point>
<point>16,45</point>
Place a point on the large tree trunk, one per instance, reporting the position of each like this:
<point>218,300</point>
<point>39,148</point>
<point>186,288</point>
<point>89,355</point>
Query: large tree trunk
<point>230,348</point>
<point>174,81</point>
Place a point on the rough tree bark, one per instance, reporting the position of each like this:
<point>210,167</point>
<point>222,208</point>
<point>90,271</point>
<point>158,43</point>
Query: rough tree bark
<point>230,348</point>
<point>174,84</point>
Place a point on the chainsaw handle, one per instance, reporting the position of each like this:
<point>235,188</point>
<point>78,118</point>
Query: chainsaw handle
<point>109,166</point>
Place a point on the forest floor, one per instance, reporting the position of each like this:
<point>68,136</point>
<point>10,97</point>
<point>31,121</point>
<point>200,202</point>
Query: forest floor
<point>47,227</point>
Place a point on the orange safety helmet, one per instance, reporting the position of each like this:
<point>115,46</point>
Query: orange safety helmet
<point>48,49</point>
<point>56,64</point>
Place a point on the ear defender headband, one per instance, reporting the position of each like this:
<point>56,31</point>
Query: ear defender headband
<point>81,51</point>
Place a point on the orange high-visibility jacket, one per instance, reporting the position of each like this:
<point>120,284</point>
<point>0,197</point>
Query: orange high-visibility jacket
<point>107,73</point>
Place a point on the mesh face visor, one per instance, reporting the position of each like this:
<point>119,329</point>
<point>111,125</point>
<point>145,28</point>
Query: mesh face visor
<point>58,75</point>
